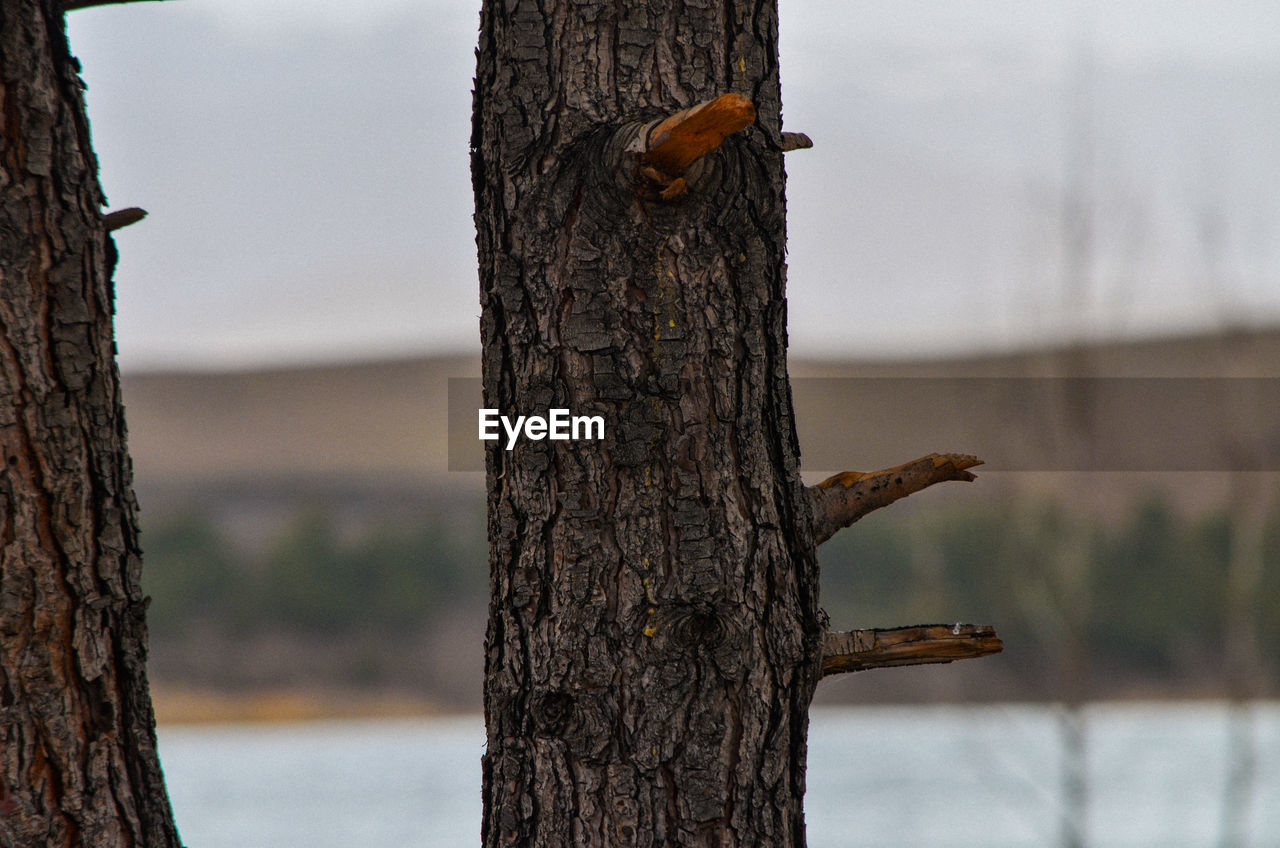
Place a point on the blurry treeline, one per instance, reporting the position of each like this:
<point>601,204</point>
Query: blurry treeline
<point>1139,603</point>
<point>319,601</point>
<point>310,578</point>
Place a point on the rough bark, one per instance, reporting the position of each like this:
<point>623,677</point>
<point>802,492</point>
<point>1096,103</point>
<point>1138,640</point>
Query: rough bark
<point>654,636</point>
<point>77,732</point>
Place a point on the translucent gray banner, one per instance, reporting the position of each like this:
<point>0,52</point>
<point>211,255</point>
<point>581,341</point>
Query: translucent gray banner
<point>1013,423</point>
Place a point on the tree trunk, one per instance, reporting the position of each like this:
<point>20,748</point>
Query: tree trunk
<point>654,635</point>
<point>76,725</point>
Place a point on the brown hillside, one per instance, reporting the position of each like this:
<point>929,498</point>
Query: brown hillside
<point>386,423</point>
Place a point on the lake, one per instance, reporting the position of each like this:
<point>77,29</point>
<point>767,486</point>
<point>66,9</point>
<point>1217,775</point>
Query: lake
<point>901,776</point>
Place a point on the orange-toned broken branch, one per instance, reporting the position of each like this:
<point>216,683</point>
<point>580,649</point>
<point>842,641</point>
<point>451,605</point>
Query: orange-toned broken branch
<point>677,142</point>
<point>123,217</point>
<point>859,650</point>
<point>841,500</point>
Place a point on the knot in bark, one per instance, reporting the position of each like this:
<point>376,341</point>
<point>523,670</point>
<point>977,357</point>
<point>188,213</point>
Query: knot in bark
<point>553,713</point>
<point>701,629</point>
<point>705,632</point>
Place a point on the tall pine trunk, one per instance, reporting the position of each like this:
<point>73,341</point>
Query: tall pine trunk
<point>77,733</point>
<point>654,633</point>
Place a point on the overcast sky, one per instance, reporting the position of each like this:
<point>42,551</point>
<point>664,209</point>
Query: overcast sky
<point>305,167</point>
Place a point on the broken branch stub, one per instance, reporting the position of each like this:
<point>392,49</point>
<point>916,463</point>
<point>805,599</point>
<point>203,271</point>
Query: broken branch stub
<point>688,135</point>
<point>924,644</point>
<point>123,218</point>
<point>795,141</point>
<point>672,145</point>
<point>841,500</point>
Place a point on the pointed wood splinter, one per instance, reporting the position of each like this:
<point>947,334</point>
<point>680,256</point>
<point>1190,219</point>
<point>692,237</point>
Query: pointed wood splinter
<point>924,644</point>
<point>675,143</point>
<point>123,217</point>
<point>841,500</point>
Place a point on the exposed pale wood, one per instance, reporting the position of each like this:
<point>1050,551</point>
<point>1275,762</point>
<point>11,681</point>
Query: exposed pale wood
<point>123,218</point>
<point>859,650</point>
<point>842,499</point>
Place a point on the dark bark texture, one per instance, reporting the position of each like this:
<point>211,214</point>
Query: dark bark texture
<point>654,634</point>
<point>77,732</point>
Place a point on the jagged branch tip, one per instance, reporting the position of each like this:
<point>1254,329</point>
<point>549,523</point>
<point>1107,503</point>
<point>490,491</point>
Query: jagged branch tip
<point>924,644</point>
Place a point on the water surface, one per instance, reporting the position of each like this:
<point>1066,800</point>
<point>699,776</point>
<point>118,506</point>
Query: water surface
<point>901,777</point>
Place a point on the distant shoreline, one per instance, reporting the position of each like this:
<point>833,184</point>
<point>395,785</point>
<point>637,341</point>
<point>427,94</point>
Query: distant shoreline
<point>177,705</point>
